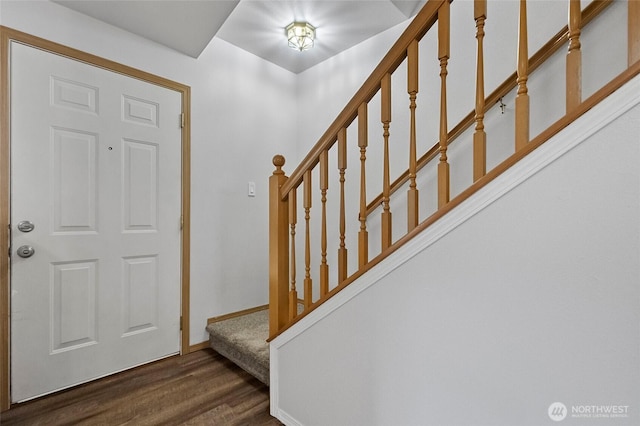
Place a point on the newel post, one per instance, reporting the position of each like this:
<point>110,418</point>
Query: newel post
<point>278,250</point>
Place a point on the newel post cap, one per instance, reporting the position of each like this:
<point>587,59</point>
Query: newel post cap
<point>278,161</point>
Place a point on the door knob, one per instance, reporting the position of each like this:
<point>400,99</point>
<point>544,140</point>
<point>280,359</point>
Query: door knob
<point>25,251</point>
<point>26,226</point>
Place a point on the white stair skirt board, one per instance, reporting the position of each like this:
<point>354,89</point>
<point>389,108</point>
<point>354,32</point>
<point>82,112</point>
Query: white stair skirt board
<point>613,107</point>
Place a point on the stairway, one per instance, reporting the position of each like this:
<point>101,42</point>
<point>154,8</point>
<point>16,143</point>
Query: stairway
<point>243,340</point>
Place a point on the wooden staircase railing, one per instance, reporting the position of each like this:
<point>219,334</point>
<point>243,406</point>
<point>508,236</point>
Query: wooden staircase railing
<point>284,201</point>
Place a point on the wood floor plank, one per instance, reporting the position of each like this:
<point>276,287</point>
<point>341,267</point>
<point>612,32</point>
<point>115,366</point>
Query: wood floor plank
<point>201,388</point>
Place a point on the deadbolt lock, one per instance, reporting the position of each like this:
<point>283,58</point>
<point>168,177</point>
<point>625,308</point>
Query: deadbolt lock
<point>25,251</point>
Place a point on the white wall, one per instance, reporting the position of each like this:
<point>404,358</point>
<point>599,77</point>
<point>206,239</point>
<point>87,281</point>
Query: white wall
<point>241,116</point>
<point>526,295</point>
<point>326,88</point>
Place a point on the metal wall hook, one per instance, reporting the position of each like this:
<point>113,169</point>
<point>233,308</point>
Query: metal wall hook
<point>502,105</point>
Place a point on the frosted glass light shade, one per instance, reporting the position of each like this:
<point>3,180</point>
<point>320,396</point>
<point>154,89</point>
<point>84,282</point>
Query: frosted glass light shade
<point>300,35</point>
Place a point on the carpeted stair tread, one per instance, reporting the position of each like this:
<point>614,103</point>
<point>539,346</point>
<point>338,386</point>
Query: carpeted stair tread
<point>243,340</point>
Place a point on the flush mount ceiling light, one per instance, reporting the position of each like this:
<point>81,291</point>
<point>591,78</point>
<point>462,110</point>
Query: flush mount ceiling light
<point>300,35</point>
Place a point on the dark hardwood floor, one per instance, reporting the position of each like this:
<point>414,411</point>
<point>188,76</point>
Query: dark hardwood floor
<point>201,388</point>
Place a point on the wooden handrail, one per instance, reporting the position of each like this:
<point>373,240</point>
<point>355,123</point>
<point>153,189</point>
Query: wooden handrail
<point>545,52</point>
<point>283,190</point>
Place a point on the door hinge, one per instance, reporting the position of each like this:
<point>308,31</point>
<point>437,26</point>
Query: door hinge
<point>182,120</point>
<point>181,221</point>
<point>181,323</point>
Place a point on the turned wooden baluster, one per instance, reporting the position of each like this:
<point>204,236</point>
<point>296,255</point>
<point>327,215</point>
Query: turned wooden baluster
<point>385,117</point>
<point>324,186</point>
<point>574,57</point>
<point>306,204</point>
<point>412,89</point>
<point>634,31</point>
<point>363,235</point>
<point>522,98</point>
<point>479,136</point>
<point>342,166</point>
<point>443,56</point>
<point>293,218</point>
<point>278,250</point>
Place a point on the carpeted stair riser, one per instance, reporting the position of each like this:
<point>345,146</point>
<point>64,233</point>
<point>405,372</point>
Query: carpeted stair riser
<point>243,340</point>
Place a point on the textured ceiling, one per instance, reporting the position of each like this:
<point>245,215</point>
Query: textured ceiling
<point>256,26</point>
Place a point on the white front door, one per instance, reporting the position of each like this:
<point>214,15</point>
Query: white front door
<point>96,168</point>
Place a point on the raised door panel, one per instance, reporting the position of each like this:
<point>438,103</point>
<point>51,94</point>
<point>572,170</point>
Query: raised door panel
<point>140,294</point>
<point>140,203</point>
<point>74,177</point>
<point>73,305</point>
<point>74,95</point>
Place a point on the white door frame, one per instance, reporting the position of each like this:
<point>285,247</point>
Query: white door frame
<point>7,35</point>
